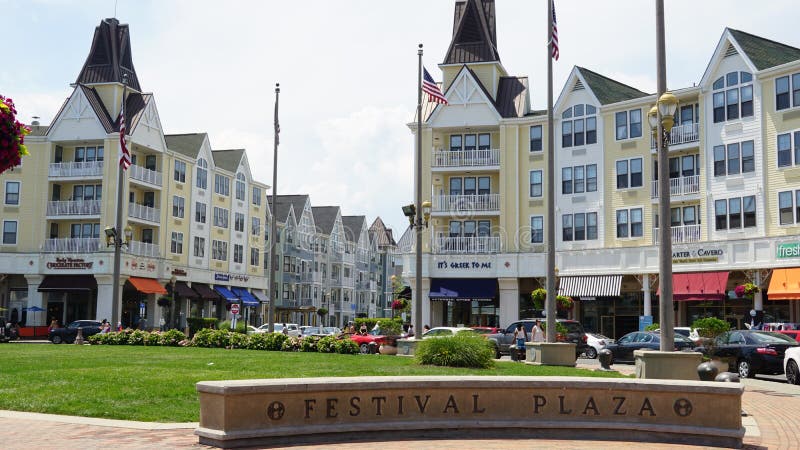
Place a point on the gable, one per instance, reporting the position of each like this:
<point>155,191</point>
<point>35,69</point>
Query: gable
<point>468,102</point>
<point>77,120</point>
<point>727,54</point>
<point>244,167</point>
<point>147,129</point>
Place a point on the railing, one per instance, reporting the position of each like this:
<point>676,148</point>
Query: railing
<point>466,158</point>
<point>681,234</point>
<point>77,169</point>
<point>465,203</point>
<point>679,186</point>
<point>317,277</point>
<point>143,249</point>
<point>681,134</point>
<point>306,276</point>
<point>144,212</point>
<point>306,302</point>
<point>72,245</point>
<point>143,174</point>
<point>343,257</point>
<point>466,245</point>
<point>73,208</point>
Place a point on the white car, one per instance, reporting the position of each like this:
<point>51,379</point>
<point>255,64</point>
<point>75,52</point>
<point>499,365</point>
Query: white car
<point>445,331</point>
<point>688,332</point>
<point>596,343</point>
<point>293,330</point>
<point>791,365</point>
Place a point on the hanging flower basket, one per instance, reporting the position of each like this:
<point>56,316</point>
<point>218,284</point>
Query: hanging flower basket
<point>12,136</point>
<point>747,290</point>
<point>564,303</point>
<point>399,304</point>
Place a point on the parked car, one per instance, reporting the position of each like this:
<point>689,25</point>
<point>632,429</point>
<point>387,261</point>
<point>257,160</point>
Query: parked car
<point>445,332</point>
<point>503,339</point>
<point>70,332</point>
<point>622,350</point>
<point>486,330</point>
<point>688,332</point>
<point>309,331</point>
<point>251,330</point>
<point>794,334</point>
<point>596,342</point>
<point>333,331</point>
<point>363,341</point>
<point>791,365</point>
<point>292,329</point>
<point>751,352</point>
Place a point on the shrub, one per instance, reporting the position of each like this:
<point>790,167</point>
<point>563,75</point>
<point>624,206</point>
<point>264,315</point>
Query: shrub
<point>208,338</point>
<point>198,323</point>
<point>258,341</point>
<point>154,338</point>
<point>710,327</point>
<point>137,337</point>
<point>241,327</point>
<point>327,344</point>
<point>387,327</point>
<point>652,327</point>
<point>457,351</point>
<point>291,344</point>
<point>308,344</point>
<point>237,340</point>
<point>98,339</point>
<point>347,347</point>
<point>276,341</point>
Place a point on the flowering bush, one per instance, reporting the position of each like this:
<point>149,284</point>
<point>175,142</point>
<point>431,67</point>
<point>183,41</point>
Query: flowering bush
<point>12,136</point>
<point>747,290</point>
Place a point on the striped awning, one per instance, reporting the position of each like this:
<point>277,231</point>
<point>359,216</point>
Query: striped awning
<point>590,286</point>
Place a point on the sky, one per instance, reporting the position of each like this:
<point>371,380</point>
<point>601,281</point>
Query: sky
<point>347,71</point>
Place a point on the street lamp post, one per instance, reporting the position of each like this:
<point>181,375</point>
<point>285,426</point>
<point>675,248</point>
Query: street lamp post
<point>113,238</point>
<point>172,281</point>
<point>418,223</point>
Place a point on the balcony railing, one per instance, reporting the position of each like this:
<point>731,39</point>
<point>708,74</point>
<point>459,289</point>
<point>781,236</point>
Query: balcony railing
<point>143,249</point>
<point>145,175</point>
<point>679,186</point>
<point>342,257</point>
<point>77,169</point>
<point>465,203</point>
<point>466,158</point>
<point>682,234</point>
<point>72,245</point>
<point>681,134</point>
<point>73,208</point>
<point>144,212</point>
<point>466,245</point>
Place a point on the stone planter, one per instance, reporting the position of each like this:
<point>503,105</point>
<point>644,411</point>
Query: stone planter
<point>550,354</point>
<point>387,349</point>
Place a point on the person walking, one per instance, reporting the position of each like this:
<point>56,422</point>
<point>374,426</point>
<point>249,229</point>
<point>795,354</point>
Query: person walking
<point>538,334</point>
<point>520,337</point>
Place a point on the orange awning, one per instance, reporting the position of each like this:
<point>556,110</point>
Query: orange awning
<point>785,284</point>
<point>147,285</point>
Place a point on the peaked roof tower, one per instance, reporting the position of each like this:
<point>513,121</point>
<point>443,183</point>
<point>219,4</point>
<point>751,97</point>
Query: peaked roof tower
<point>474,33</point>
<point>110,56</point>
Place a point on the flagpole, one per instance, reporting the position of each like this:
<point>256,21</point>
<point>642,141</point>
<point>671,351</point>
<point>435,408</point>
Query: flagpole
<point>273,233</point>
<point>115,300</point>
<point>550,303</point>
<point>418,217</point>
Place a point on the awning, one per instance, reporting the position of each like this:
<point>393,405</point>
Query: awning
<point>147,285</point>
<point>226,294</point>
<point>261,296</point>
<point>247,297</point>
<point>784,284</point>
<point>183,290</point>
<point>68,283</point>
<point>699,286</point>
<point>590,286</point>
<point>206,293</point>
<point>463,289</point>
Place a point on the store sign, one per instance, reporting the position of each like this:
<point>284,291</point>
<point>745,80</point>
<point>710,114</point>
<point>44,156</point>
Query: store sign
<point>70,263</point>
<point>791,250</point>
<point>179,272</point>
<point>465,265</point>
<point>230,277</point>
<point>699,255</point>
<point>143,265</point>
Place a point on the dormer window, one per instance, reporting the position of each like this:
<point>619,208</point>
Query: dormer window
<point>579,126</point>
<point>733,96</point>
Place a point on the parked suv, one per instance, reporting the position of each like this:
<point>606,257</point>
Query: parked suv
<point>503,339</point>
<point>70,332</point>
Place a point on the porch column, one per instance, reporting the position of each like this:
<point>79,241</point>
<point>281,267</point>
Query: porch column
<point>509,300</point>
<point>648,306</point>
<point>105,292</point>
<point>35,298</point>
<point>758,300</point>
<point>426,302</point>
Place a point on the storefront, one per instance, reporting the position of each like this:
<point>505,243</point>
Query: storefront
<point>783,294</point>
<point>138,292</point>
<point>69,297</point>
<point>210,301</point>
<point>249,305</point>
<point>600,305</point>
<point>465,301</point>
<point>228,297</point>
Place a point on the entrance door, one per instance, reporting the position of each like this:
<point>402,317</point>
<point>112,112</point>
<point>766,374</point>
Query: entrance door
<point>55,310</point>
<point>607,326</point>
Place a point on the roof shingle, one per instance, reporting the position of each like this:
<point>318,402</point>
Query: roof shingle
<point>607,90</point>
<point>188,144</point>
<point>765,53</point>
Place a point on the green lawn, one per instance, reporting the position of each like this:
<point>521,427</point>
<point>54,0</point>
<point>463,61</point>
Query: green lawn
<point>158,383</point>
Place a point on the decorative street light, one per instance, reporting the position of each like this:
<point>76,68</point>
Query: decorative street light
<point>172,281</point>
<point>418,223</point>
<point>113,238</point>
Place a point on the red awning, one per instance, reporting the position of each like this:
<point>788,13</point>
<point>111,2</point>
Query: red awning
<point>699,286</point>
<point>147,285</point>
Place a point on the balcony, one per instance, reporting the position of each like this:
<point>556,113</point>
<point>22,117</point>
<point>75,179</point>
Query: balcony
<point>72,245</point>
<point>681,134</point>
<point>466,245</point>
<point>679,186</point>
<point>142,212</point>
<point>73,208</point>
<point>143,249</point>
<point>73,169</point>
<point>443,159</point>
<point>144,175</point>
<point>345,258</point>
<point>681,234</point>
<point>481,203</point>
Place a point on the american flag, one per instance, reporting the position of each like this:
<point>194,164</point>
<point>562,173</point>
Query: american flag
<point>125,155</point>
<point>554,41</point>
<point>429,86</point>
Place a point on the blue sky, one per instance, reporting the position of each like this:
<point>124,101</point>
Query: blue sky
<point>347,71</point>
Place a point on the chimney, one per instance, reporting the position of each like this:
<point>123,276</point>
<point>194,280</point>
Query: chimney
<point>35,121</point>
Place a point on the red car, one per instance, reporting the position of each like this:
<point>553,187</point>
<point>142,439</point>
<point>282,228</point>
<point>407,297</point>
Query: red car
<point>794,334</point>
<point>485,330</point>
<point>363,341</point>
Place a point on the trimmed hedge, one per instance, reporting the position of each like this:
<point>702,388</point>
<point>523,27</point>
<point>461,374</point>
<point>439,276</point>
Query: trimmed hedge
<point>461,350</point>
<point>128,336</point>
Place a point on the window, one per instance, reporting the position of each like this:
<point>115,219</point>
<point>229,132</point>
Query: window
<point>200,212</point>
<point>255,226</point>
<point>199,247</point>
<point>220,217</point>
<point>579,227</point>
<point>733,96</point>
<point>579,179</point>
<point>87,154</point>
<point>202,174</point>
<point>12,192</point>
<point>10,232</point>
<point>637,228</point>
<point>84,230</point>
<point>88,192</point>
<point>484,141</point>
<point>256,196</point>
<point>628,124</point>
<point>735,213</point>
<point>784,86</point>
<point>622,223</point>
<point>484,185</point>
<point>219,250</point>
<point>591,178</point>
<point>536,183</point>
<point>222,185</point>
<point>591,226</point>
<point>629,173</point>
<point>177,206</point>
<point>238,253</point>
<point>735,158</point>
<point>254,256</point>
<point>536,138</point>
<point>180,171</point>
<point>470,142</point>
<point>176,244</point>
<point>581,130</point>
<point>240,186</point>
<point>147,235</point>
<point>566,180</point>
<point>238,221</point>
<point>537,230</point>
<point>789,207</point>
<point>786,157</point>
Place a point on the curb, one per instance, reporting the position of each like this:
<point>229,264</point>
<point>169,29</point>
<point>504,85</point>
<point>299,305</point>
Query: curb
<point>114,423</point>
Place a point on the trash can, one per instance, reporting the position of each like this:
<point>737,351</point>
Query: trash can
<point>513,352</point>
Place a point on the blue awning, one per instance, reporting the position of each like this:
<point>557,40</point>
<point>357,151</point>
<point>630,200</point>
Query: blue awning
<point>463,289</point>
<point>246,296</point>
<point>226,294</point>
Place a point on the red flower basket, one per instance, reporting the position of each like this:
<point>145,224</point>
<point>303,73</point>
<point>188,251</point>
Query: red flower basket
<point>12,136</point>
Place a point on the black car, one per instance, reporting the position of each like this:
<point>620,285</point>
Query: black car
<point>622,350</point>
<point>503,339</point>
<point>751,352</point>
<point>70,332</point>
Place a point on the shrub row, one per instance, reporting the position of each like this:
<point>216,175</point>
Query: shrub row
<point>461,350</point>
<point>171,338</point>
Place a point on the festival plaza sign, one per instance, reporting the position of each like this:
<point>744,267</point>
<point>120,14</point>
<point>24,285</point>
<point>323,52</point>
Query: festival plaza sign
<point>789,250</point>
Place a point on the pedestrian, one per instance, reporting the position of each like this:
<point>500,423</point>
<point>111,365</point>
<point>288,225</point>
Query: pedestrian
<point>284,330</point>
<point>536,331</point>
<point>410,330</point>
<point>426,328</point>
<point>54,324</point>
<point>520,336</point>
